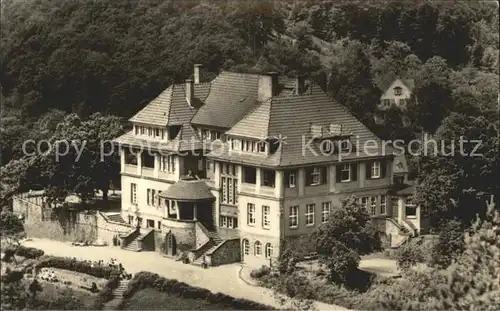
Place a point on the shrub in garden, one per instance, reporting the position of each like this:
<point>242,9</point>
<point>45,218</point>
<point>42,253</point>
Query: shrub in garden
<point>342,264</point>
<point>408,256</point>
<point>145,279</point>
<point>260,272</point>
<point>449,244</point>
<point>77,266</point>
<point>287,262</point>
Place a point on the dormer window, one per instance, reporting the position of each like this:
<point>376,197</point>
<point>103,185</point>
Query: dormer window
<point>316,130</point>
<point>398,91</point>
<point>345,145</point>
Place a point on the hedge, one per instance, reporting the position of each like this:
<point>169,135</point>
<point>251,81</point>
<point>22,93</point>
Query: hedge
<point>145,279</point>
<point>71,264</point>
<point>23,251</point>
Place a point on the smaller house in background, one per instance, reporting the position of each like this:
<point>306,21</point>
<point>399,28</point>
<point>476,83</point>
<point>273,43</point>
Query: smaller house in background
<point>396,93</point>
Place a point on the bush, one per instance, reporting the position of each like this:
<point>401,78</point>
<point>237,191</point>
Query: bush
<point>70,264</point>
<point>287,262</point>
<point>409,256</point>
<point>144,280</point>
<point>342,264</point>
<point>29,252</point>
<point>260,272</point>
<point>23,251</point>
<point>449,245</point>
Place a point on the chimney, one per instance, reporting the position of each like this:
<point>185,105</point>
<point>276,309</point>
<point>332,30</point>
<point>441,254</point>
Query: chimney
<point>197,73</point>
<point>299,84</point>
<point>268,86</point>
<point>189,92</point>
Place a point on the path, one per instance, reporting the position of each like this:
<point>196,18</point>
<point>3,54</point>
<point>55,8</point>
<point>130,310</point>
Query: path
<point>224,279</point>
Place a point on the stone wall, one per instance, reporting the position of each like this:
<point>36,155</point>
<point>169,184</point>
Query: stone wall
<point>40,222</point>
<point>228,252</point>
<point>185,239</point>
<point>106,230</point>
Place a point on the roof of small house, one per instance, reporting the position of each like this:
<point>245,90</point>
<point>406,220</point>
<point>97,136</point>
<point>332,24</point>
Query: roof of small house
<point>188,189</point>
<point>386,83</point>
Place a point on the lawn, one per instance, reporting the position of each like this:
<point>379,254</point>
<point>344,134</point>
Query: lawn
<point>150,299</point>
<point>62,297</point>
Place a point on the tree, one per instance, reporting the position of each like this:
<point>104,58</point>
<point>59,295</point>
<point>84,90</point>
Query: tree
<point>474,282</point>
<point>12,290</point>
<point>350,82</point>
<point>455,182</point>
<point>350,225</point>
<point>342,264</point>
<point>450,243</point>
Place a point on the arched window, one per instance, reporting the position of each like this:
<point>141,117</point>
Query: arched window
<point>246,247</point>
<point>269,250</point>
<point>258,248</point>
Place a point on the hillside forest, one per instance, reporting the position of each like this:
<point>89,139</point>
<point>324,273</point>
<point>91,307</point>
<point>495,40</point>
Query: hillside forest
<point>80,69</point>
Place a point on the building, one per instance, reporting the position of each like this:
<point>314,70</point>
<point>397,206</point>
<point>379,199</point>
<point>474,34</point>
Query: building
<point>234,169</point>
<point>396,93</point>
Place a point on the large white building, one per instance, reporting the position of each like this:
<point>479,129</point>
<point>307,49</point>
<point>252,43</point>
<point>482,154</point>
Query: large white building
<point>236,168</point>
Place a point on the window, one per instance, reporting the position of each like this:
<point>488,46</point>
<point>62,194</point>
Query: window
<point>402,102</point>
<point>291,178</point>
<point>316,176</point>
<point>294,216</point>
<point>345,145</point>
<point>398,91</point>
<point>373,206</point>
<point>268,178</point>
<point>346,173</point>
<point>266,216</point>
<point>167,163</point>
<point>130,219</point>
<point>375,169</point>
<point>136,129</point>
<point>229,190</point>
<point>223,221</point>
<point>251,214</point>
<point>410,207</point>
<point>159,225</point>
<point>383,205</point>
<point>143,130</point>
<point>139,221</point>
<point>133,193</point>
<point>310,214</point>
<point>364,202</point>
<point>158,199</point>
<point>250,175</point>
<point>258,248</point>
<point>246,247</point>
<point>150,223</point>
<point>230,222</point>
<point>157,132</point>
<point>205,134</point>
<point>386,102</point>
<point>269,250</point>
<point>325,213</point>
<point>262,147</point>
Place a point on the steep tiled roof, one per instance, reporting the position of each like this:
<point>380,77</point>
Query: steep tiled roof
<point>180,111</point>
<point>410,83</point>
<point>255,124</point>
<point>171,107</point>
<point>190,190</point>
<point>389,79</point>
<point>291,117</point>
<point>232,96</point>
<point>157,111</point>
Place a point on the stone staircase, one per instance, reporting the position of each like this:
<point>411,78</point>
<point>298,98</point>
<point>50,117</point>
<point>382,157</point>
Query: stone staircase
<point>117,296</point>
<point>116,218</point>
<point>216,239</point>
<point>133,245</point>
